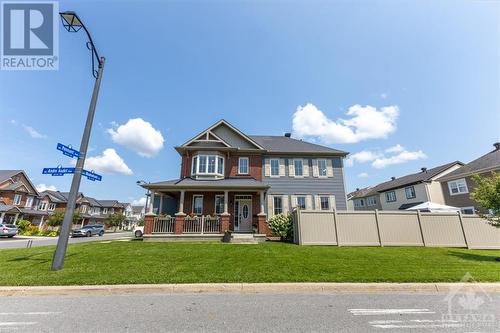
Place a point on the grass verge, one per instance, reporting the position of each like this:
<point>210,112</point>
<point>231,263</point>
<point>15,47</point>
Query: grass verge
<point>137,262</point>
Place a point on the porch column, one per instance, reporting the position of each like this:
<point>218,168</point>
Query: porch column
<point>160,210</point>
<point>16,217</point>
<point>180,215</point>
<point>151,204</point>
<point>40,226</point>
<point>2,216</point>
<point>262,226</point>
<point>226,199</point>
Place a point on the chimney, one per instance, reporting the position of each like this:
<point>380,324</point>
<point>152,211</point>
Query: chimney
<point>288,135</point>
<point>357,188</point>
<point>393,178</point>
<point>423,169</point>
<point>496,145</point>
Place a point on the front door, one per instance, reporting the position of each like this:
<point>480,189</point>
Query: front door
<point>243,215</point>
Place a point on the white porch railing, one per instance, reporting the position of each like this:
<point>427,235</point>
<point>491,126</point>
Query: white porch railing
<point>202,225</point>
<point>164,225</point>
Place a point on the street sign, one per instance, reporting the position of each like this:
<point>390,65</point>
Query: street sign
<point>68,151</point>
<point>58,171</point>
<point>91,175</point>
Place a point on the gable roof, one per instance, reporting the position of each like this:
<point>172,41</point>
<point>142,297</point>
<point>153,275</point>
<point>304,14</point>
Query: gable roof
<point>283,144</point>
<point>414,178</point>
<point>485,163</point>
<point>7,174</point>
<point>213,137</point>
<point>359,193</point>
<point>110,203</point>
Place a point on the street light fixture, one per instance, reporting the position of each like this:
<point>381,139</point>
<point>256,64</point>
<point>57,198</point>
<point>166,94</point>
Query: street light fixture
<point>72,23</point>
<point>148,194</point>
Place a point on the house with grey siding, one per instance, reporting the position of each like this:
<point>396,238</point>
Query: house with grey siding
<point>238,181</point>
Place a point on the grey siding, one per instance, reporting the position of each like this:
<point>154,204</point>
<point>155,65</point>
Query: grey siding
<point>309,185</point>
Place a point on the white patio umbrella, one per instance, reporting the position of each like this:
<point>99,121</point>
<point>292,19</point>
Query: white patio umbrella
<point>434,208</point>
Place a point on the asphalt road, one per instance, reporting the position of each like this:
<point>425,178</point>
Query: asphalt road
<point>249,313</point>
<point>21,241</point>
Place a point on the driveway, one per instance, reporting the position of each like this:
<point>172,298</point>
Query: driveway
<point>22,241</point>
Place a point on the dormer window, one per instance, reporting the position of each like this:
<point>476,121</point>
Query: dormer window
<point>207,166</point>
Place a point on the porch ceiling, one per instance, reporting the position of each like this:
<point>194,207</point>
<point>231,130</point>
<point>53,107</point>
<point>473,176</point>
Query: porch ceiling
<point>233,184</point>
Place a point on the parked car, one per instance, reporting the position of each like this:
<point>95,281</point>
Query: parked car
<point>88,231</point>
<point>138,231</point>
<point>9,230</point>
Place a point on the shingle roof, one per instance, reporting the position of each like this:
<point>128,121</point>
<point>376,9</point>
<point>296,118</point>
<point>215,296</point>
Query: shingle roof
<point>137,209</point>
<point>221,183</point>
<point>8,208</point>
<point>414,178</point>
<point>54,196</point>
<point>109,203</point>
<point>283,144</point>
<point>6,174</point>
<point>487,162</point>
<point>359,193</point>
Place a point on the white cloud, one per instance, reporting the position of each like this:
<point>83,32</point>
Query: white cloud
<point>13,121</point>
<point>139,202</point>
<point>138,135</point>
<point>400,158</point>
<point>33,132</point>
<point>108,162</point>
<point>365,122</point>
<point>363,175</point>
<point>384,95</point>
<point>365,156</point>
<point>395,149</point>
<point>43,187</point>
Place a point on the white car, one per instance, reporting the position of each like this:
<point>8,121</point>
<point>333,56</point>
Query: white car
<point>138,231</point>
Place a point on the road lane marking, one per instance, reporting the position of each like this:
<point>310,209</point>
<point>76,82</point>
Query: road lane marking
<point>376,312</point>
<point>378,322</point>
<point>18,323</point>
<point>28,313</point>
<point>420,326</point>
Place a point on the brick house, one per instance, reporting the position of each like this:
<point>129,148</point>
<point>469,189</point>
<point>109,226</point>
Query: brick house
<point>233,181</point>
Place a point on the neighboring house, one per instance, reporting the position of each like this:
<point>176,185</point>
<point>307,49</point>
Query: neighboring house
<point>138,212</point>
<point>458,185</point>
<point>404,192</point>
<point>18,197</point>
<point>247,178</point>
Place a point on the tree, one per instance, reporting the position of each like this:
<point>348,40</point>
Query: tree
<point>56,219</point>
<point>115,220</point>
<point>487,194</point>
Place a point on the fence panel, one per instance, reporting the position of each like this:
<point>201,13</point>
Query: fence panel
<point>480,234</point>
<point>357,229</point>
<point>318,228</point>
<point>399,229</point>
<point>442,230</point>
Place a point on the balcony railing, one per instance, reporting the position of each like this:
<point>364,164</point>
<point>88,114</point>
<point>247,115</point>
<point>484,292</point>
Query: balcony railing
<point>202,225</point>
<point>164,225</point>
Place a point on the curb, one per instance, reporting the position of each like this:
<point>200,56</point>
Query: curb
<point>249,288</point>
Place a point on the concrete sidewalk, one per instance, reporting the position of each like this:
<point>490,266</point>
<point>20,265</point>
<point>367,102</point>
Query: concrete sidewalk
<point>271,288</point>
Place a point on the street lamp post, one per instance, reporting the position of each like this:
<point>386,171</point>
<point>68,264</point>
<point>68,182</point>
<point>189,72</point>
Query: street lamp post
<point>72,23</point>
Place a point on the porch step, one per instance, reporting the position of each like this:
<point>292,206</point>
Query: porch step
<point>240,238</point>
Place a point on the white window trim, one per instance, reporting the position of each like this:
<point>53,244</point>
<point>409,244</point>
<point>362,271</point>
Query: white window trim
<point>470,207</point>
<point>281,197</point>
<point>326,168</point>
<point>202,202</point>
<point>368,204</point>
<point>327,196</point>
<point>271,167</point>
<point>295,169</point>
<point>18,201</point>
<point>51,207</point>
<point>215,203</point>
<point>387,198</point>
<point>297,196</point>
<point>104,210</point>
<point>206,173</point>
<point>29,202</point>
<point>239,166</point>
<point>456,180</point>
<point>414,192</point>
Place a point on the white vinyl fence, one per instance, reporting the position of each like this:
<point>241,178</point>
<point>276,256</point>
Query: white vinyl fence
<point>393,228</point>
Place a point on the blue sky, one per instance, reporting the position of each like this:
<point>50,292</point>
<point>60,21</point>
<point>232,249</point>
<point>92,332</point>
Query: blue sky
<point>427,78</point>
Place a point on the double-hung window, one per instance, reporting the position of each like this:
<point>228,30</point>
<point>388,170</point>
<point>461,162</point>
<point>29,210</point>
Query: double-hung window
<point>301,202</point>
<point>322,172</point>
<point>275,167</point>
<point>211,164</point>
<point>219,204</point>
<point>458,186</point>
<point>29,202</point>
<point>371,201</point>
<point>410,192</point>
<point>193,166</point>
<point>243,165</point>
<point>198,204</point>
<point>277,205</point>
<point>207,165</point>
<point>42,205</point>
<point>202,164</point>
<point>17,199</point>
<point>299,171</point>
<point>390,196</point>
<point>220,165</point>
<point>324,201</point>
<point>52,206</point>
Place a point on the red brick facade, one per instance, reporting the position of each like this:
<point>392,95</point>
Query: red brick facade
<point>231,166</point>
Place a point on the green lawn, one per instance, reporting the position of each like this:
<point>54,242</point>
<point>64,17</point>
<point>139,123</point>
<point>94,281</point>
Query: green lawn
<point>138,262</point>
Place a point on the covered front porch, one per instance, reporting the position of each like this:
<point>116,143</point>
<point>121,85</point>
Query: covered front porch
<point>206,211</point>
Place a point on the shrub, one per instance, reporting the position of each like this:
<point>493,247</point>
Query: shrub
<point>22,225</point>
<point>281,225</point>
